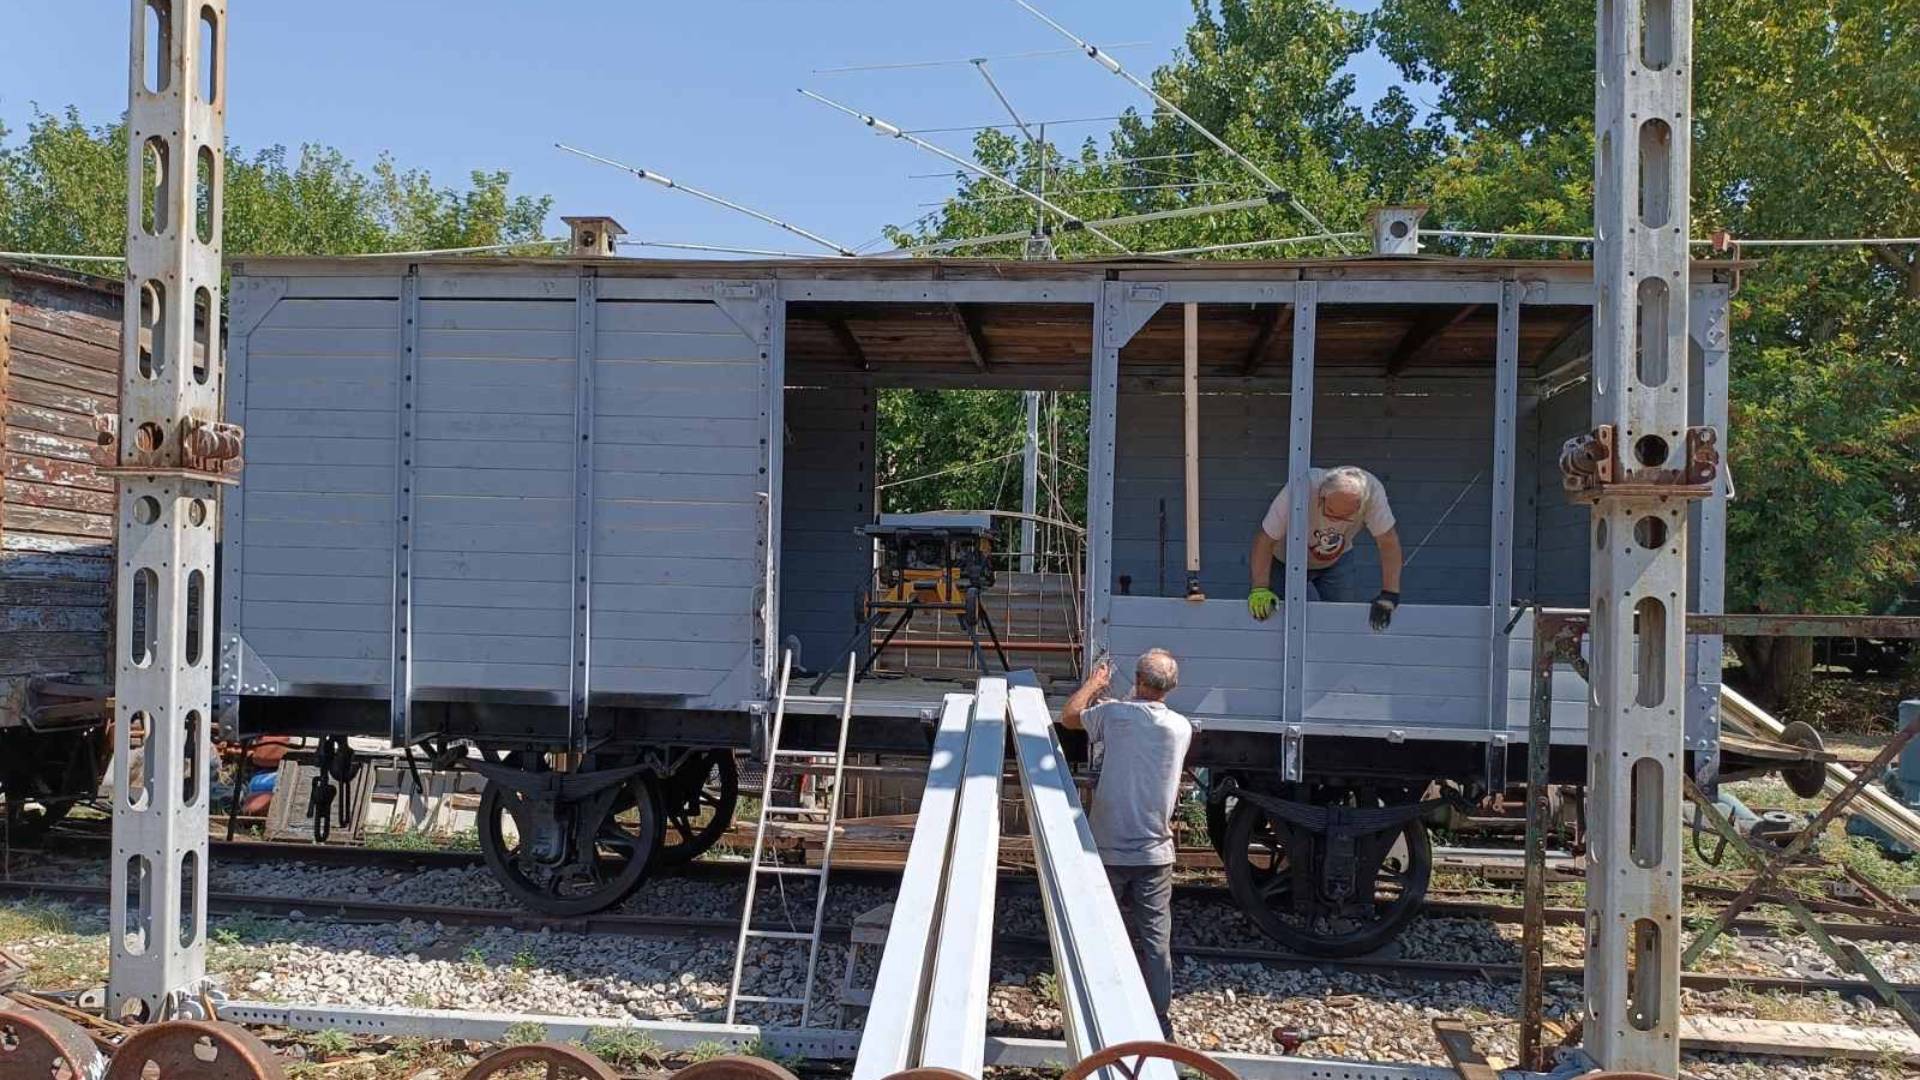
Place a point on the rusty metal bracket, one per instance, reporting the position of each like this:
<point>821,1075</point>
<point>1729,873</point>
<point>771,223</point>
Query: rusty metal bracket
<point>1591,464</point>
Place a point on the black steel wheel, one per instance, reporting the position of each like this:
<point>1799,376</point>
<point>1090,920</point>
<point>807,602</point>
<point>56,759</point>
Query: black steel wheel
<point>699,798</point>
<point>1218,812</point>
<point>597,853</point>
<point>1284,901</point>
<point>42,777</point>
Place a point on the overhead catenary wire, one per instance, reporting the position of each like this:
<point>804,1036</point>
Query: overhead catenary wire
<point>1076,165</point>
<point>720,248</point>
<point>1032,54</point>
<point>1281,241</point>
<point>1073,222</point>
<point>1110,190</point>
<point>996,127</point>
<point>664,181</point>
<point>1095,54</point>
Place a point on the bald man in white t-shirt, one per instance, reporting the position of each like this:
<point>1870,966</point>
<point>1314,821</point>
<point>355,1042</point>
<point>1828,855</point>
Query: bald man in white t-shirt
<point>1342,500</point>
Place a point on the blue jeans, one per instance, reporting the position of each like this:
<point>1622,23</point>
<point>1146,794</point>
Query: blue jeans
<point>1338,583</point>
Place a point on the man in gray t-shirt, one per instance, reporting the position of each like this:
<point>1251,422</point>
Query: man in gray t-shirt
<point>1140,744</point>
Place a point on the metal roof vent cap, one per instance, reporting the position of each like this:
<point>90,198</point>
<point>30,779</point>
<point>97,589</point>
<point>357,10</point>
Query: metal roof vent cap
<point>593,237</point>
<point>1395,229</point>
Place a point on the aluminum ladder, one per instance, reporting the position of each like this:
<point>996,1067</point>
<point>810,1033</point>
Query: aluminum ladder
<point>772,819</point>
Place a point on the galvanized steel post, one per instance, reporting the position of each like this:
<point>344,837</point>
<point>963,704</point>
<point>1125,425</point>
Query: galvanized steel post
<point>1642,122</point>
<point>173,456</point>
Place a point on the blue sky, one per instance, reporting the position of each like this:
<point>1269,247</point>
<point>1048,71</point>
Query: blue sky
<point>700,91</point>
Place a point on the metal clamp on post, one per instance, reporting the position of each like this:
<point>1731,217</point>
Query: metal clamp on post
<point>1590,466</point>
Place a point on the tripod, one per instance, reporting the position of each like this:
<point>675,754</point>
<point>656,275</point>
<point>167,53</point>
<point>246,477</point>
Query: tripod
<point>972,615</point>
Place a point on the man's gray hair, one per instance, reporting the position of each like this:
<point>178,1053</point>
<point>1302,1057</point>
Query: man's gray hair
<point>1157,671</point>
<point>1348,478</point>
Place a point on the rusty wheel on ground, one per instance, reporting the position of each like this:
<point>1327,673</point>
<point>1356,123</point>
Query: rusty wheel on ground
<point>547,1061</point>
<point>39,1044</point>
<point>929,1072</point>
<point>734,1067</point>
<point>194,1050</point>
<point>1128,1058</point>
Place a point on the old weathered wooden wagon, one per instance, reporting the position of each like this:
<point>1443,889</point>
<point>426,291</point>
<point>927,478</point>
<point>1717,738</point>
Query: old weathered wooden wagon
<point>59,365</point>
<point>575,504</point>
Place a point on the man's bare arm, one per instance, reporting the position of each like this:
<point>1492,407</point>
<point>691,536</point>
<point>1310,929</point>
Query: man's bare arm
<point>1390,560</point>
<point>1083,698</point>
<point>1261,561</point>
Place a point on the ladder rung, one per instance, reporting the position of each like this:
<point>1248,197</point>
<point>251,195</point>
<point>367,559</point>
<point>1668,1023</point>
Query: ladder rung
<point>781,935</point>
<point>818,754</point>
<point>798,809</point>
<point>760,999</point>
<point>792,871</point>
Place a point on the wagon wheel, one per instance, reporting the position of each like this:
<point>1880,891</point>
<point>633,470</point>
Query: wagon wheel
<point>546,1060</point>
<point>734,1067</point>
<point>557,878</point>
<point>1260,874</point>
<point>194,1050</point>
<point>699,800</point>
<point>1218,812</point>
<point>28,822</point>
<point>39,1044</point>
<point>1128,1058</point>
<point>929,1072</point>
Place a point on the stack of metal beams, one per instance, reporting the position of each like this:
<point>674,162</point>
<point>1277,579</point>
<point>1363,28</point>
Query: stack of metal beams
<point>930,995</point>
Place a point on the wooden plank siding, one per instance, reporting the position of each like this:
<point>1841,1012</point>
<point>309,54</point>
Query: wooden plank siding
<point>59,367</point>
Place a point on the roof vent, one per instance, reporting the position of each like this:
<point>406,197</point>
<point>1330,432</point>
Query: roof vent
<point>593,237</point>
<point>1395,229</point>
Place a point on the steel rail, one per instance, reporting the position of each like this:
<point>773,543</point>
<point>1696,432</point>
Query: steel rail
<point>1399,970</point>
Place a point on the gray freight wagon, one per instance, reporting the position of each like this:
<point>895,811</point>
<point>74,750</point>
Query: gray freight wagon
<point>568,510</point>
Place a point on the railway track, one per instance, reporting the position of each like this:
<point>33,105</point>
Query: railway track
<point>1391,968</point>
<point>1876,925</point>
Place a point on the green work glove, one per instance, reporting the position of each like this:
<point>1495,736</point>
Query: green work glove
<point>1260,603</point>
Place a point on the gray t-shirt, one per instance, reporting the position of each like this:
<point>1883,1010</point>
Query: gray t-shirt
<point>1140,746</point>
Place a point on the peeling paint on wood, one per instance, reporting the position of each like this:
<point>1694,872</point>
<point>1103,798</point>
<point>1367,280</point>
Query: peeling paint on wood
<point>59,367</point>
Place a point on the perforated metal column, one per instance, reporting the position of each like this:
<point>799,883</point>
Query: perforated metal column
<point>1636,722</point>
<point>170,397</point>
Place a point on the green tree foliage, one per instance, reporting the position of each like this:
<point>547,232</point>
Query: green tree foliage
<point>63,188</point>
<point>1807,124</point>
<point>960,450</point>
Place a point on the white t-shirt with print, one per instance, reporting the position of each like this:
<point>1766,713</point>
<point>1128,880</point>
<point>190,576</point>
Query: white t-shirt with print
<point>1329,540</point>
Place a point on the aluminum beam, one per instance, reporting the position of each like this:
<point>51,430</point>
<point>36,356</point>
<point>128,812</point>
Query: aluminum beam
<point>1710,317</point>
<point>1643,123</point>
<point>891,1031</point>
<point>1306,320</point>
<point>168,508</point>
<point>954,1037</point>
<point>1109,333</point>
<point>406,392</point>
<point>1103,993</point>
<point>1506,413</point>
<point>816,1044</point>
<point>585,362</point>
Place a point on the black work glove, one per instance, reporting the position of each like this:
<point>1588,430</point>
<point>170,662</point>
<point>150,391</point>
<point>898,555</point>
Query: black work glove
<point>1383,606</point>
